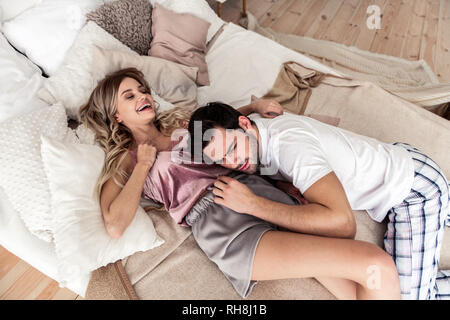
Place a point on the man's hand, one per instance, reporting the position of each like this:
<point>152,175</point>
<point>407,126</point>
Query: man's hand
<point>234,195</point>
<point>267,108</point>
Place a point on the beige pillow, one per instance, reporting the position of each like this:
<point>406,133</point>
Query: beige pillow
<point>181,38</point>
<point>173,82</point>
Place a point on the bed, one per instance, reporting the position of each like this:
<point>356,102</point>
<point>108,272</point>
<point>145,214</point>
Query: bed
<point>171,266</point>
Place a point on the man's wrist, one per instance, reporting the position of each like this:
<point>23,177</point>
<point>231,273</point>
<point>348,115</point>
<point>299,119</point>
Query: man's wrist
<point>246,110</point>
<point>255,205</point>
<point>254,107</point>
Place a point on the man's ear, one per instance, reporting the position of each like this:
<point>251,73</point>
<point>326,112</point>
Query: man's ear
<point>245,123</point>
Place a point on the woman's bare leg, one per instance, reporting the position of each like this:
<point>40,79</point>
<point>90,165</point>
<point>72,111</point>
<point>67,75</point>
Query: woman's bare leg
<point>283,255</point>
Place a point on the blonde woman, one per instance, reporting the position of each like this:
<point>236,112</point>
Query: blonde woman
<point>137,142</point>
<point>122,114</point>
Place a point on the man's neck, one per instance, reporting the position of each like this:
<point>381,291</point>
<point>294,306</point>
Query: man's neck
<point>258,140</point>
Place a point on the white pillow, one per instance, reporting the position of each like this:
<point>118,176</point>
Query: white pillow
<point>12,8</point>
<point>81,240</point>
<point>199,8</point>
<point>242,63</point>
<point>46,31</point>
<point>22,174</point>
<point>73,83</point>
<point>19,81</point>
<point>84,134</point>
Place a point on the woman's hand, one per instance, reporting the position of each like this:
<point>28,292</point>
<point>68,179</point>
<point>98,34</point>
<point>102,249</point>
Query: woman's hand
<point>146,154</point>
<point>267,108</point>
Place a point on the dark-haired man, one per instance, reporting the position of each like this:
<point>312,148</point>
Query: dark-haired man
<point>336,171</point>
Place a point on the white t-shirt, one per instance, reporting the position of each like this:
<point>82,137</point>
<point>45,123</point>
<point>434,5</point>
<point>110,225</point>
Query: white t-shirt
<point>376,176</point>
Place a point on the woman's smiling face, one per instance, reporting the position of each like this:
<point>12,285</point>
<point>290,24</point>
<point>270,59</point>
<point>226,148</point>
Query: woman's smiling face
<point>135,105</point>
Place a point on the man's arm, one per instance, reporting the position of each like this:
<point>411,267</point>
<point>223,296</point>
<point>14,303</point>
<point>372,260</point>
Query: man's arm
<point>265,107</point>
<point>327,214</point>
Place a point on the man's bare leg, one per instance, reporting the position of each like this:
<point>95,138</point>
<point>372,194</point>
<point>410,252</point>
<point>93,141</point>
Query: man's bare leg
<point>342,289</point>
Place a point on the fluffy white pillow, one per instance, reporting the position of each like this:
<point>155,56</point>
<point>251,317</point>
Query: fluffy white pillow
<point>81,241</point>
<point>22,172</point>
<point>19,81</point>
<point>47,30</point>
<point>73,83</point>
<point>84,134</point>
<point>12,8</point>
<point>199,8</point>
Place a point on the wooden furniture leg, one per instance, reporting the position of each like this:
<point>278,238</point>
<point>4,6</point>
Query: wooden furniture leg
<point>244,8</point>
<point>219,8</point>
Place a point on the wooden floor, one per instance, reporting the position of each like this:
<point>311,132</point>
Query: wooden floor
<point>20,281</point>
<point>410,29</point>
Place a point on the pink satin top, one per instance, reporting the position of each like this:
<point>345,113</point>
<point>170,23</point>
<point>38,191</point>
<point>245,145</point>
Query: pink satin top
<point>177,185</point>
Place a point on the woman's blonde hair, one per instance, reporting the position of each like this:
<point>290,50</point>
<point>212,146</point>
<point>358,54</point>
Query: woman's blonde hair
<point>113,137</point>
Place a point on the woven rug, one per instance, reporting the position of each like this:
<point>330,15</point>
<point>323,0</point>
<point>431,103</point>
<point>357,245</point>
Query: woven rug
<point>411,80</point>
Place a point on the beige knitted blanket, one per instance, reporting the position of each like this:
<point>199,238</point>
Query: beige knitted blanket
<point>413,81</point>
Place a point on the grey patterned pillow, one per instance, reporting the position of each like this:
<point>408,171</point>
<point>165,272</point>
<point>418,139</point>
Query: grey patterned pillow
<point>129,21</point>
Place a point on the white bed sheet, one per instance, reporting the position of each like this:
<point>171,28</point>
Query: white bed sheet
<point>242,63</point>
<point>16,238</point>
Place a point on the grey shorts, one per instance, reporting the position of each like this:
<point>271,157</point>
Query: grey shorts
<point>228,238</point>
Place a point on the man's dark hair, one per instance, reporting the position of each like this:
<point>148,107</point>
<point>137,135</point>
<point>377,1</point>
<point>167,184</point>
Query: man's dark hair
<point>212,115</point>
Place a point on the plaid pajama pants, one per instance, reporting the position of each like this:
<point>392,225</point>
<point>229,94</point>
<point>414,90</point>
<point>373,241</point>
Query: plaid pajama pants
<point>415,232</point>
